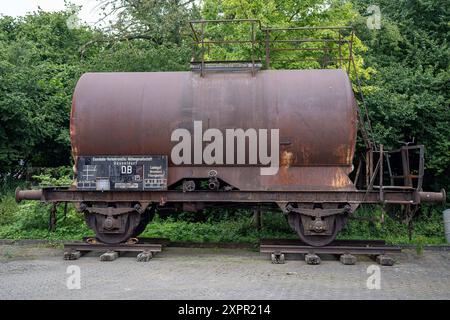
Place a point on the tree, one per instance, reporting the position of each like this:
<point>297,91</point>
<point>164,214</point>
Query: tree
<point>42,56</point>
<point>410,96</point>
<point>39,66</point>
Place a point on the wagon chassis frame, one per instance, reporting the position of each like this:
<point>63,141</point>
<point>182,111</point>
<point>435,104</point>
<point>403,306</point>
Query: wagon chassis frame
<point>56,195</point>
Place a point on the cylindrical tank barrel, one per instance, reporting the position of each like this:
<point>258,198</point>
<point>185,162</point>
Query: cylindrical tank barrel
<point>136,113</point>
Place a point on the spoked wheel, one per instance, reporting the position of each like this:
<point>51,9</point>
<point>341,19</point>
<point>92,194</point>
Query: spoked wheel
<point>113,229</point>
<point>335,224</point>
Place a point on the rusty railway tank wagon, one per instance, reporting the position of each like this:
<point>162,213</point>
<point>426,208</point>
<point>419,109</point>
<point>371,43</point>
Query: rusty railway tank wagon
<point>226,135</point>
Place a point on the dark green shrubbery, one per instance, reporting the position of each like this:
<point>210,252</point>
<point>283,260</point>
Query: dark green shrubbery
<point>427,225</point>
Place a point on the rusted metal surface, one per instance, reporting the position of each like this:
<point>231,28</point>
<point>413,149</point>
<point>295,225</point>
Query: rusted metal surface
<point>438,197</point>
<point>135,114</point>
<point>28,194</point>
<point>288,177</point>
<point>313,196</point>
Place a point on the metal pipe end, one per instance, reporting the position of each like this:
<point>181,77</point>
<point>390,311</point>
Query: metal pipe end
<point>28,194</point>
<point>17,195</point>
<point>439,197</point>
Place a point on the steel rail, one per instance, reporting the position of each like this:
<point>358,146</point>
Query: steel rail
<point>375,250</point>
<point>113,247</point>
<point>338,242</point>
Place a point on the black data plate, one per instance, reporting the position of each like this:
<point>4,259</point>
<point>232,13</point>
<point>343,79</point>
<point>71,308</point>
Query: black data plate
<point>122,173</point>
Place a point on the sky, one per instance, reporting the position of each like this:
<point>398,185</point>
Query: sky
<point>89,13</point>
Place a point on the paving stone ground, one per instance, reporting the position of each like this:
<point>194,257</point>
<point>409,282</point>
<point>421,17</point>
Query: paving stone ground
<point>31,272</point>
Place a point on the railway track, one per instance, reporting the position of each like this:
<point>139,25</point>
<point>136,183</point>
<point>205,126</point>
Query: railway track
<point>346,250</point>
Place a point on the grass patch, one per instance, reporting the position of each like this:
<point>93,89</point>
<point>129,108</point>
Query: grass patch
<point>238,229</point>
<point>428,227</point>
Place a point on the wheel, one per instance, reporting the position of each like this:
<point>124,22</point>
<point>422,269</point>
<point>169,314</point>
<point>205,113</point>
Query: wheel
<point>113,229</point>
<point>290,222</point>
<point>146,217</point>
<point>318,240</point>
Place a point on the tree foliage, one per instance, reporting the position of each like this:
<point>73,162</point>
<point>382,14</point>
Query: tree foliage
<point>410,97</point>
<point>39,66</point>
<point>281,14</point>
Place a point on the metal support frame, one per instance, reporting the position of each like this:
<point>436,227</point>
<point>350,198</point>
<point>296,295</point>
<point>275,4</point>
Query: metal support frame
<point>269,43</point>
<point>202,42</point>
<point>52,217</point>
<point>400,196</point>
<point>407,177</point>
<point>340,41</point>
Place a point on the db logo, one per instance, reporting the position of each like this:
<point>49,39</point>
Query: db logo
<point>126,169</point>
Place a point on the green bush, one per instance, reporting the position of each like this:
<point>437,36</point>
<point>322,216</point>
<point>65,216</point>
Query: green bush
<point>29,220</point>
<point>8,207</point>
<point>235,229</point>
<point>54,177</point>
<point>32,215</point>
<point>427,225</point>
